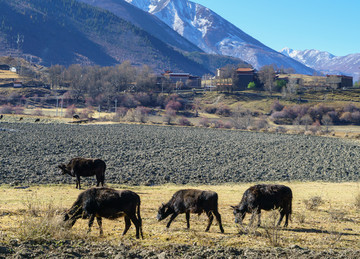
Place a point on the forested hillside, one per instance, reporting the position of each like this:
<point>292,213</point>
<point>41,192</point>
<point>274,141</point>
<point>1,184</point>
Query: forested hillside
<point>67,32</point>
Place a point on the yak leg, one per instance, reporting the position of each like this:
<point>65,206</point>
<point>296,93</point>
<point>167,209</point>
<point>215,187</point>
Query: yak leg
<point>99,221</point>
<point>102,179</point>
<point>286,219</point>
<point>253,214</point>
<point>218,219</point>
<point>211,217</point>
<point>137,224</point>
<point>127,225</point>
<point>259,218</point>
<point>78,181</point>
<point>173,216</point>
<point>91,221</point>
<point>188,219</point>
<point>98,180</point>
<point>282,214</point>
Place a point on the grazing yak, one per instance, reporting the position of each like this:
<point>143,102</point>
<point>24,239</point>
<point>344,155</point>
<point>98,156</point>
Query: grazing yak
<point>264,197</point>
<point>85,167</point>
<point>106,203</point>
<point>191,201</point>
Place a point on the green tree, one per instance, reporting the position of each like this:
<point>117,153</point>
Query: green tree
<point>251,85</point>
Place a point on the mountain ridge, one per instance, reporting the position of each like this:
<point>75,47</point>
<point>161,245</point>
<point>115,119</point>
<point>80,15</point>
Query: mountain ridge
<point>326,62</point>
<point>66,32</point>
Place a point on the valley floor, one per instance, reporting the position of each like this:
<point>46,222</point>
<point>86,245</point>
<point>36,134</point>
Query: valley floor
<point>31,218</point>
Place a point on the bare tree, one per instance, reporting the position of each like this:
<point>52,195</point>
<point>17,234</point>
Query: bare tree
<point>267,78</point>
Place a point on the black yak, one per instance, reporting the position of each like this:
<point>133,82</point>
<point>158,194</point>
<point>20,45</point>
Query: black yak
<point>85,167</point>
<point>106,203</point>
<point>191,201</point>
<point>264,197</point>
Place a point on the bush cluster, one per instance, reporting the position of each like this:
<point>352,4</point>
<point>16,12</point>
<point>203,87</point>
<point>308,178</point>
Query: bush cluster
<point>11,109</point>
<point>316,114</point>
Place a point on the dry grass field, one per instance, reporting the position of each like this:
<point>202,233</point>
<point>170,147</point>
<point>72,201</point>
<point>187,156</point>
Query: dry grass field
<point>34,213</point>
<point>6,74</point>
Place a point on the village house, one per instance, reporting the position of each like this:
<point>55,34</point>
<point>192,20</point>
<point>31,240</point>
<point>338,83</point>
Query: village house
<point>244,75</point>
<point>339,81</point>
<point>183,80</point>
<point>317,82</point>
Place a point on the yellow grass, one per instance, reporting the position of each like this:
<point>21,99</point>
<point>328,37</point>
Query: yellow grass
<point>336,223</point>
<point>6,74</point>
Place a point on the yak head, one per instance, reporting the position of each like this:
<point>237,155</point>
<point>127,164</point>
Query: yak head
<point>239,213</point>
<point>164,211</point>
<point>72,215</point>
<point>64,169</point>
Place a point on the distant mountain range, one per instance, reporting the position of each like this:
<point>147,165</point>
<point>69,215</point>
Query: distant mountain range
<point>327,63</point>
<point>165,34</point>
<point>214,34</point>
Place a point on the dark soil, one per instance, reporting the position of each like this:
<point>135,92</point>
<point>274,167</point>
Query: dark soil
<point>81,249</point>
<point>151,155</point>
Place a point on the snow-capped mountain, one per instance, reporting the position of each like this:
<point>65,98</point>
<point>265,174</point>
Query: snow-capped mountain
<point>326,62</point>
<point>145,21</point>
<point>214,34</point>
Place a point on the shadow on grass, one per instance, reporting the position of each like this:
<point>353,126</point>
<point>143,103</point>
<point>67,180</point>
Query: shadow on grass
<point>318,231</point>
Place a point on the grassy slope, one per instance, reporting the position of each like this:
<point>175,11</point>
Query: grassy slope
<point>334,224</point>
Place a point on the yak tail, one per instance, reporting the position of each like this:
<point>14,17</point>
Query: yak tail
<point>139,218</point>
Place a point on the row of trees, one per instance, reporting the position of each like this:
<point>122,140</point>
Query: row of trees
<point>102,85</point>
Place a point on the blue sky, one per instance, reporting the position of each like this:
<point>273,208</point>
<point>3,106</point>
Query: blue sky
<point>327,25</point>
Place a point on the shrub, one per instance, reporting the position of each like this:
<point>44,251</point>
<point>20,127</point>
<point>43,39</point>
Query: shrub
<point>130,115</point>
<point>346,117</point>
<point>129,101</point>
<point>228,125</point>
<point>7,109</point>
<point>169,116</point>
<point>204,122</point>
<point>300,217</point>
<point>70,111</point>
<point>337,215</point>
<point>223,110</point>
<point>357,201</point>
<point>216,124</point>
<point>313,203</point>
<point>210,109</point>
<point>42,222</point>
<point>37,112</point>
<point>184,121</point>
<point>272,230</point>
<point>87,113</point>
<point>276,106</point>
<point>350,108</point>
<point>18,110</point>
<point>174,105</point>
<point>260,124</point>
<point>144,99</point>
<point>141,114</point>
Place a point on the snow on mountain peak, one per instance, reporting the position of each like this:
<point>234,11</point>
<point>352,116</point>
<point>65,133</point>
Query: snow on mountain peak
<point>326,62</point>
<point>214,34</point>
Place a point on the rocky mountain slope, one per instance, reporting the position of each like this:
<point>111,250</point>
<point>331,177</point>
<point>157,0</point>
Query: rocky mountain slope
<point>326,62</point>
<point>214,34</point>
